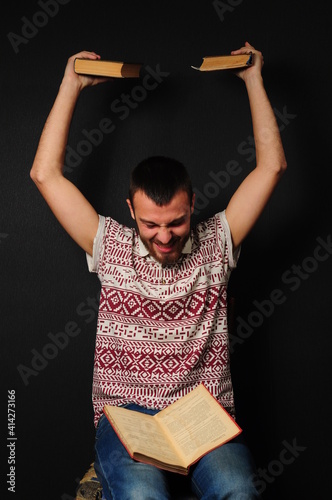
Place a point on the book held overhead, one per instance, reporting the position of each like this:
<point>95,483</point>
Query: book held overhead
<point>118,69</point>
<point>214,63</point>
<point>113,69</point>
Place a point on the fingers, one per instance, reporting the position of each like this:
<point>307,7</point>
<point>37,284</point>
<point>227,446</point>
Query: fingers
<point>81,80</point>
<point>247,44</point>
<point>244,50</point>
<point>250,48</point>
<point>85,54</point>
<point>88,55</point>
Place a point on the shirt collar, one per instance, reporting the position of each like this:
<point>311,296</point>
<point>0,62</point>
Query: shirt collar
<point>143,251</point>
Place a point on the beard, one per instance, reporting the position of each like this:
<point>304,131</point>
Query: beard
<point>166,258</point>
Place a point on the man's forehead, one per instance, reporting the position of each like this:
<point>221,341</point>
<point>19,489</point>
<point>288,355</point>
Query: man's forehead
<point>147,208</point>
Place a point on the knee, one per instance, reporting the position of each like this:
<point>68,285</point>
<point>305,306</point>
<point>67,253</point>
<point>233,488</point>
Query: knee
<point>240,486</point>
<point>240,490</point>
<point>229,482</point>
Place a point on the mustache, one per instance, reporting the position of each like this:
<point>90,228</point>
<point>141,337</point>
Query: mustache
<point>170,243</point>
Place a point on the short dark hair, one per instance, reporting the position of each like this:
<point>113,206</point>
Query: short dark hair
<point>160,178</point>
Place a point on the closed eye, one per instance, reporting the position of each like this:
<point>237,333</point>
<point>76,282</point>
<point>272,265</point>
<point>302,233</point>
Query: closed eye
<point>176,223</point>
<point>153,225</point>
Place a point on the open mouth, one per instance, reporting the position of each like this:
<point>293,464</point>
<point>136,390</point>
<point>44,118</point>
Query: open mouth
<point>165,248</point>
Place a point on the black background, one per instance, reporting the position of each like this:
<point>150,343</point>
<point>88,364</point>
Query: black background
<point>281,371</point>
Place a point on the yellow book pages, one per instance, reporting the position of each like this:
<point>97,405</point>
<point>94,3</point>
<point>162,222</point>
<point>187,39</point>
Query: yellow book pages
<point>213,63</point>
<point>177,436</point>
<point>197,423</point>
<point>113,69</point>
<point>144,439</point>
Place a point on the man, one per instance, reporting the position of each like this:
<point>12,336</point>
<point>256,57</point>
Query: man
<point>162,324</point>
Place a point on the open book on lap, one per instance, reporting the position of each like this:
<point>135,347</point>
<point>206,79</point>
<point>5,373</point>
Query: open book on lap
<point>178,436</point>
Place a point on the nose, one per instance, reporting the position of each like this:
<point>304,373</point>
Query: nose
<point>164,235</point>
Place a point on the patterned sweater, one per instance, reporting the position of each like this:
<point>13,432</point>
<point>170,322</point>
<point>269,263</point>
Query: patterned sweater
<point>162,330</point>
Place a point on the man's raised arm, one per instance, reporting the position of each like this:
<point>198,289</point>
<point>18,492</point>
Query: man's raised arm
<point>249,200</point>
<point>67,203</point>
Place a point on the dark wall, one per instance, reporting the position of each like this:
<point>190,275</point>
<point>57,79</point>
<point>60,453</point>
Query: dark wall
<point>281,341</point>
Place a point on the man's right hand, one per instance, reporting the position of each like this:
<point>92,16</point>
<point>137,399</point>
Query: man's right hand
<point>82,80</point>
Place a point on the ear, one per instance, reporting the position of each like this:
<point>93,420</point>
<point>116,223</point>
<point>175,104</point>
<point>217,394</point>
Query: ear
<point>192,203</point>
<point>130,208</point>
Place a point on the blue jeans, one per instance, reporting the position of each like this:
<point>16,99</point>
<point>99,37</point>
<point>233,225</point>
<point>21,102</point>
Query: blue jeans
<point>224,473</point>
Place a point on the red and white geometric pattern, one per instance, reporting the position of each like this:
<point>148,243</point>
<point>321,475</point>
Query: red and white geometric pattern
<point>161,330</point>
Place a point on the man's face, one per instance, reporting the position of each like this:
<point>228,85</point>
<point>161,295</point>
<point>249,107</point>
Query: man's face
<point>163,230</point>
